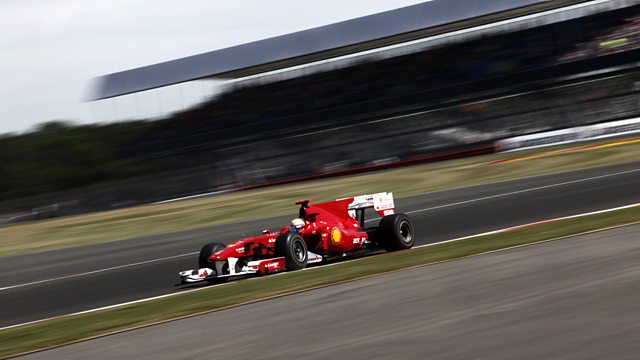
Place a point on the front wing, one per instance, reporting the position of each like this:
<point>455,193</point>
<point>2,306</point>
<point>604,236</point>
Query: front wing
<point>264,266</point>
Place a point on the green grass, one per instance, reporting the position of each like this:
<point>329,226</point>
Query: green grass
<point>72,328</point>
<point>245,205</point>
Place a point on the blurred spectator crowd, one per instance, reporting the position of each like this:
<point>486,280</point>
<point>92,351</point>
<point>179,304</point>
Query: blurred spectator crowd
<point>618,38</point>
<point>453,97</point>
<point>336,108</point>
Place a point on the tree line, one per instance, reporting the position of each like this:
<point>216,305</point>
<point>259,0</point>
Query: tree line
<point>60,155</point>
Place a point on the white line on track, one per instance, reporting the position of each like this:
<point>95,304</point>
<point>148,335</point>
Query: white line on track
<point>97,271</point>
<point>524,191</point>
<point>517,192</point>
<point>529,225</point>
<point>317,267</point>
<point>409,212</point>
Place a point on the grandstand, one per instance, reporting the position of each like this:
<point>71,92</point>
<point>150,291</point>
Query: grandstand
<point>342,108</point>
<point>409,84</point>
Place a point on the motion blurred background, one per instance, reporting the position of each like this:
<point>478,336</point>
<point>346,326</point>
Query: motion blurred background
<point>456,90</point>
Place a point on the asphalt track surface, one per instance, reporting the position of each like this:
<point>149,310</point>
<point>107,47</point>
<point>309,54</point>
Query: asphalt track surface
<point>54,283</point>
<point>575,298</point>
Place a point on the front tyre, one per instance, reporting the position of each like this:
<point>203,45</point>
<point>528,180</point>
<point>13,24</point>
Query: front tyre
<point>294,249</point>
<point>206,251</point>
<point>396,232</point>
<point>203,260</point>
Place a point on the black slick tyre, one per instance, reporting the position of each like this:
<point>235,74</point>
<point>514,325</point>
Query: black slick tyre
<point>203,259</point>
<point>206,251</point>
<point>396,232</point>
<point>293,248</point>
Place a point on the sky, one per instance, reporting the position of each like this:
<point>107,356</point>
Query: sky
<point>51,49</point>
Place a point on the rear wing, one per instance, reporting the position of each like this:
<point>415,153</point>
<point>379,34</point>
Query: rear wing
<point>382,203</point>
<point>354,207</point>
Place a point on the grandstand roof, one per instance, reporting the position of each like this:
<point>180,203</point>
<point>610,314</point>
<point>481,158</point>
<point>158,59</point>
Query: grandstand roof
<point>342,38</point>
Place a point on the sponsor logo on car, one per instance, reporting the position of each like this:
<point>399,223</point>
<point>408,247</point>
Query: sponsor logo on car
<point>336,236</point>
<point>313,257</point>
<point>271,265</point>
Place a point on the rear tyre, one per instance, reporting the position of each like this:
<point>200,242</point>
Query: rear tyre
<point>294,249</point>
<point>396,232</point>
<point>203,260</point>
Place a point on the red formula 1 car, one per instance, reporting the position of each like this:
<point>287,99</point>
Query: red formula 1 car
<point>322,232</point>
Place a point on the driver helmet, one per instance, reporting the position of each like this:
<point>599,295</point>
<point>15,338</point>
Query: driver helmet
<point>297,223</point>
